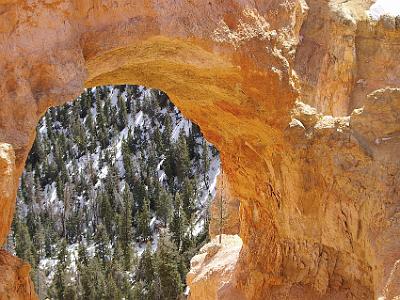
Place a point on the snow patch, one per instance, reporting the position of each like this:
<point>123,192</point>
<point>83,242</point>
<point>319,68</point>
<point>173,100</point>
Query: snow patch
<point>384,7</point>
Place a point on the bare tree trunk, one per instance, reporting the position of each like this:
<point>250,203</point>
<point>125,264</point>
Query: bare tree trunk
<point>221,204</point>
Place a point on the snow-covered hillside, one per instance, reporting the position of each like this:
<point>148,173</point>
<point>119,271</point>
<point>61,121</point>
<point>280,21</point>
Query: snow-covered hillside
<point>107,175</point>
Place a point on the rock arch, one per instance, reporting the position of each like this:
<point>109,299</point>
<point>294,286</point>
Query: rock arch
<point>313,220</point>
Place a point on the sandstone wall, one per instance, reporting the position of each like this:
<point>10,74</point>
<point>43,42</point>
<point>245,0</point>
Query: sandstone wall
<point>318,194</point>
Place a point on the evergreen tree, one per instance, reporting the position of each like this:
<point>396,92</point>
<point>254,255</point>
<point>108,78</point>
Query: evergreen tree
<point>167,133</point>
<point>91,137</point>
<point>106,212</point>
<point>178,222</point>
<point>206,163</point>
<point>183,160</point>
<point>188,197</point>
<point>126,158</point>
<point>82,256</point>
<point>158,141</point>
<point>147,274</point>
<point>60,277</point>
<point>163,208</point>
<point>126,230</point>
<point>102,244</point>
<point>23,243</point>
<point>191,142</point>
<point>39,240</point>
<point>122,113</point>
<point>37,153</point>
<point>143,230</point>
<point>93,281</point>
<point>170,281</point>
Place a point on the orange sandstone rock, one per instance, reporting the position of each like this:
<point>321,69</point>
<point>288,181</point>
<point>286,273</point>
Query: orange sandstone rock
<point>15,281</point>
<point>212,274</point>
<point>273,84</point>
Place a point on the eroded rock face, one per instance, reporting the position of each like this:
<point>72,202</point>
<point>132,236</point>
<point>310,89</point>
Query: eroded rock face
<point>213,270</point>
<point>15,282</point>
<point>273,84</point>
<point>7,189</point>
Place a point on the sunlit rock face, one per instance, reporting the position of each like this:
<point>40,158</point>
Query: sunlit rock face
<point>15,282</point>
<point>213,270</point>
<point>7,188</point>
<point>273,85</point>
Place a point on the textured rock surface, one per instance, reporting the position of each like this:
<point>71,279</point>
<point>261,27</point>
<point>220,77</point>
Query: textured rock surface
<point>224,211</point>
<point>273,84</point>
<point>8,188</point>
<point>213,270</point>
<point>15,282</point>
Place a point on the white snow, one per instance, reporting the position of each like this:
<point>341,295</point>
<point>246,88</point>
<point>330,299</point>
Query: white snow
<point>160,163</point>
<point>152,223</point>
<point>161,175</point>
<point>384,7</point>
<point>114,96</point>
<point>52,192</point>
<point>103,172</point>
<point>139,119</point>
<point>182,125</point>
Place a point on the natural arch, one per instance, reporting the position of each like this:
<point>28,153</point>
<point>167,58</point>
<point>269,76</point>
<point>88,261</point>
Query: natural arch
<point>312,216</point>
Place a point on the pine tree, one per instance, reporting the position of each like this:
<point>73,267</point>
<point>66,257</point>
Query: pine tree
<point>122,113</point>
<point>67,201</point>
<point>91,137</point>
<point>167,133</point>
<point>221,204</point>
<point>127,162</point>
<point>183,160</point>
<point>118,259</point>
<point>39,242</point>
<point>139,192</point>
<point>143,230</point>
<point>178,222</point>
<point>79,136</point>
<point>60,277</point>
<point>170,280</point>
<point>82,255</point>
<point>71,292</point>
<point>126,230</point>
<point>102,124</point>
<point>188,197</point>
<point>206,163</point>
<point>158,141</point>
<point>163,209</point>
<point>130,140</point>
<point>112,291</point>
<point>49,126</point>
<point>39,280</point>
<point>23,243</point>
<point>107,110</point>
<point>102,244</point>
<point>146,273</point>
<point>191,142</point>
<point>170,167</point>
<point>37,152</point>
<point>93,281</point>
<point>106,212</point>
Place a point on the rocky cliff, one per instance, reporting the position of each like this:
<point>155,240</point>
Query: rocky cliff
<point>299,96</point>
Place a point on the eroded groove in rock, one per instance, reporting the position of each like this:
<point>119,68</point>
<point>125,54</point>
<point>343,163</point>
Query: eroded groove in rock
<point>318,193</point>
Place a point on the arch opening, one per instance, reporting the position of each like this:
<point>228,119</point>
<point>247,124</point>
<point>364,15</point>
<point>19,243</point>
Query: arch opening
<point>109,176</point>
